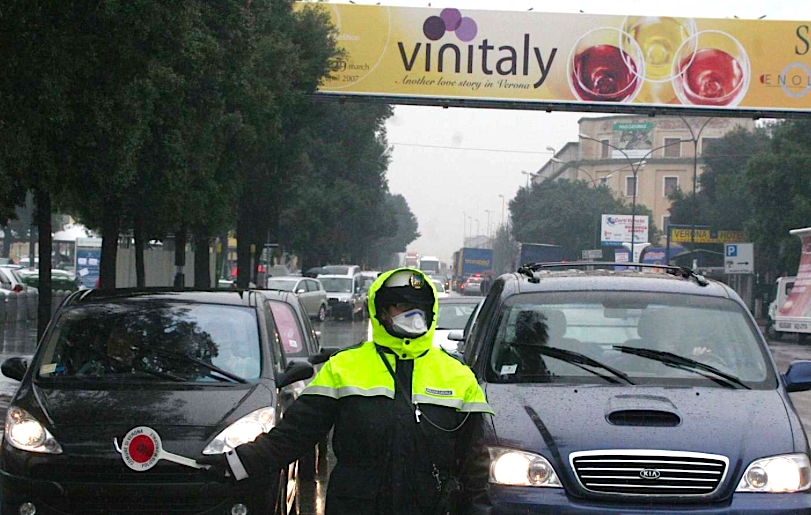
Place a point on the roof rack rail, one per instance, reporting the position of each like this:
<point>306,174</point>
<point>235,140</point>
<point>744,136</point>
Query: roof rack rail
<point>529,269</point>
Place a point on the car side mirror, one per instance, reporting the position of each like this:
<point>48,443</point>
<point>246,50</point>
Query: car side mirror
<point>323,356</point>
<point>798,377</point>
<point>301,290</point>
<point>295,371</point>
<point>450,347</point>
<point>456,336</point>
<point>14,368</point>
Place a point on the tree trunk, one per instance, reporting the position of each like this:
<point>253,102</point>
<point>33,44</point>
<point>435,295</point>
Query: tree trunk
<point>243,248</point>
<point>43,214</point>
<point>138,232</point>
<point>180,256</point>
<point>8,241</point>
<point>222,260</point>
<point>202,261</point>
<point>109,252</point>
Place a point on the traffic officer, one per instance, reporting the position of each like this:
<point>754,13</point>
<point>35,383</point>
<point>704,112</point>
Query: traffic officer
<point>408,418</point>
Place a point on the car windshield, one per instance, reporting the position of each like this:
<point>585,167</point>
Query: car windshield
<point>336,269</point>
<point>336,285</point>
<point>609,326</point>
<point>454,316</point>
<point>278,284</point>
<point>150,341</point>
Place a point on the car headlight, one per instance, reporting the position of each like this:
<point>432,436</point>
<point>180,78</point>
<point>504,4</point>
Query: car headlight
<point>518,468</point>
<point>242,431</point>
<point>779,474</point>
<point>24,432</point>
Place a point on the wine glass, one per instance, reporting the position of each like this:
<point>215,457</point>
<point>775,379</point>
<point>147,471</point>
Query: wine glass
<point>711,68</point>
<point>659,38</point>
<point>603,69</point>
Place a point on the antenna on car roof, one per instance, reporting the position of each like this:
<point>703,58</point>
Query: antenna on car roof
<point>529,269</point>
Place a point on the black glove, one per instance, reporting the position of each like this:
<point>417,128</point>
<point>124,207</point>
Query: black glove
<point>218,466</point>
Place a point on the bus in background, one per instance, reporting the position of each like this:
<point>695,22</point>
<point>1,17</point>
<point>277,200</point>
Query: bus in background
<point>411,259</point>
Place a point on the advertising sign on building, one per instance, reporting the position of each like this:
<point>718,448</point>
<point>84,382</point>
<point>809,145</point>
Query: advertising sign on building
<point>616,229</point>
<point>684,234</point>
<point>634,140</point>
<point>479,57</point>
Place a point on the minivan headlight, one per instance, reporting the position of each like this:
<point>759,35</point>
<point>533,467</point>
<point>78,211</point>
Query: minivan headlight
<point>24,432</point>
<point>788,473</point>
<point>243,431</point>
<point>519,468</point>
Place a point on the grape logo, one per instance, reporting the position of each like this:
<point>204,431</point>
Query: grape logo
<point>450,20</point>
<point>517,57</point>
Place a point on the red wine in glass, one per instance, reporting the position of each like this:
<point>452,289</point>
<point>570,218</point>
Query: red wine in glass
<point>605,73</point>
<point>712,78</point>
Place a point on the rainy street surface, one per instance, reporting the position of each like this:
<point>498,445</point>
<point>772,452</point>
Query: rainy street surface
<point>20,340</point>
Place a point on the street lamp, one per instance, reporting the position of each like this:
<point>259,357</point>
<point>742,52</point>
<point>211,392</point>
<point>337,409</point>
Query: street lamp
<point>635,167</point>
<point>502,209</point>
<point>694,137</point>
<point>488,221</point>
<point>477,231</point>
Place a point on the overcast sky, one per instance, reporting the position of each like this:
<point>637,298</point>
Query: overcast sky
<point>484,151</point>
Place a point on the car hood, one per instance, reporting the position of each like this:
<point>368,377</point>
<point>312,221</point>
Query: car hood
<point>339,296</point>
<point>205,406</point>
<point>558,420</point>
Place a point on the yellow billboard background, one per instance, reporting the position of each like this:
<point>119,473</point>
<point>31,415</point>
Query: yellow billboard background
<point>528,57</point>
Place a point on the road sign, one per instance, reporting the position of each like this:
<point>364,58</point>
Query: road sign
<point>739,258</point>
<point>592,254</point>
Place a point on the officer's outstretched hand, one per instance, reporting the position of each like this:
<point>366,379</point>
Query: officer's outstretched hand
<point>218,466</point>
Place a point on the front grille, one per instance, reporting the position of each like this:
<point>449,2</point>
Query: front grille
<point>649,473</point>
<point>332,302</point>
<point>141,506</point>
<point>650,418</point>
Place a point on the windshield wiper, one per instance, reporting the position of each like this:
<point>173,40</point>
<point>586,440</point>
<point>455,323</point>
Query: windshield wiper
<point>680,362</point>
<point>185,357</point>
<point>578,360</point>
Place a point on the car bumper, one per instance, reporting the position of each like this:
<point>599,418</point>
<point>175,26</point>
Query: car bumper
<point>158,498</point>
<point>341,309</point>
<point>525,501</point>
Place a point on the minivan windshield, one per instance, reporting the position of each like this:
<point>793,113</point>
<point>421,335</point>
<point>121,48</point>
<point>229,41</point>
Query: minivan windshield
<point>637,334</point>
<point>153,341</point>
<point>336,285</point>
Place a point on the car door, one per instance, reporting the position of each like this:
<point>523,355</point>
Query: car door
<point>313,301</point>
<point>303,294</point>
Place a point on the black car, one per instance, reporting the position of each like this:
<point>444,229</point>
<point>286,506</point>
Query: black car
<point>630,392</point>
<point>128,388</point>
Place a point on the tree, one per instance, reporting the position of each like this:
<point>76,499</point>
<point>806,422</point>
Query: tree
<point>380,254</point>
<point>779,187</point>
<point>723,200</point>
<point>566,213</point>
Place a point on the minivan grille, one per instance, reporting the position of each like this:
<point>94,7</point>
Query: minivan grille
<point>649,473</point>
<point>649,418</point>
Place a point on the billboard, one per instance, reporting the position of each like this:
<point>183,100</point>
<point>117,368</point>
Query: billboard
<point>616,229</point>
<point>704,234</point>
<point>552,60</point>
<point>799,300</point>
<point>634,140</point>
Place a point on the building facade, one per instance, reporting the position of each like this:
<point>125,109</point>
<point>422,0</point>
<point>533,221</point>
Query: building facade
<point>661,149</point>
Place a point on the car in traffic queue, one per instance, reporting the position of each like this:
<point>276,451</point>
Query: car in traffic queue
<point>310,293</point>
<point>10,280</point>
<point>128,388</point>
<point>471,285</point>
<point>346,295</point>
<point>630,392</point>
<point>441,293</point>
<point>454,315</point>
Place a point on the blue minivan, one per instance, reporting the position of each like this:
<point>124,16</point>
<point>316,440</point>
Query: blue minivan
<point>630,392</point>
